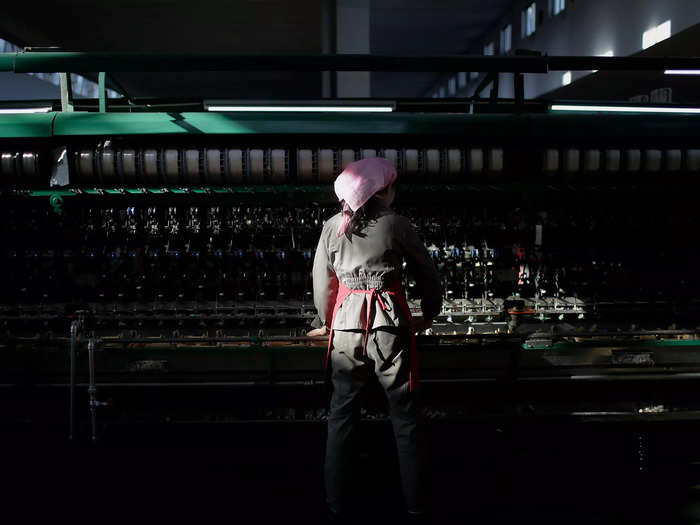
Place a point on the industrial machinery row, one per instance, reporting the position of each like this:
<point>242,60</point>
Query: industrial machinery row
<point>180,247</point>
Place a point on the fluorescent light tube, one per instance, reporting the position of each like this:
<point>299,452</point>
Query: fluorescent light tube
<point>9,111</point>
<point>682,72</point>
<point>622,109</point>
<point>300,109</point>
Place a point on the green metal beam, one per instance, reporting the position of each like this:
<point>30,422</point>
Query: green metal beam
<point>321,189</point>
<point>688,344</point>
<point>7,61</point>
<point>410,191</point>
<point>213,123</point>
<point>476,128</point>
<point>26,126</point>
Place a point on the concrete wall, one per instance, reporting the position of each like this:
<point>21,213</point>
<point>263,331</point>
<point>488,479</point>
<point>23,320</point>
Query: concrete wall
<point>585,27</point>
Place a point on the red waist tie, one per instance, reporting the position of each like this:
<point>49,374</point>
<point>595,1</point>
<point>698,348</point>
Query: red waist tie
<point>397,291</point>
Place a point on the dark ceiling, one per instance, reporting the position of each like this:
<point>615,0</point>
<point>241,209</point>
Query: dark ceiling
<point>248,26</point>
<point>420,27</point>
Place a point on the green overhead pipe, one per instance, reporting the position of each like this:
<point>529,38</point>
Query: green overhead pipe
<point>7,61</point>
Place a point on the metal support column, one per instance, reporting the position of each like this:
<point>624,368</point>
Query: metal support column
<point>519,89</point>
<point>93,403</point>
<point>75,328</point>
<point>102,91</point>
<point>488,79</point>
<point>66,92</point>
<point>494,90</point>
<point>352,36</point>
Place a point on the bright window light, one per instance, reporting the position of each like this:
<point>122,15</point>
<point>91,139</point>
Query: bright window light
<point>682,71</point>
<point>663,31</point>
<point>528,20</point>
<point>300,109</point>
<point>489,49</point>
<point>10,111</point>
<point>566,78</point>
<point>558,6</point>
<point>623,109</point>
<point>452,86</point>
<point>473,75</point>
<point>656,34</point>
<point>506,38</point>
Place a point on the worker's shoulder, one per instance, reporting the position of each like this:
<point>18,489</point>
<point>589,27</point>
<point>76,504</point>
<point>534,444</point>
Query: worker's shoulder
<point>397,220</point>
<point>332,222</point>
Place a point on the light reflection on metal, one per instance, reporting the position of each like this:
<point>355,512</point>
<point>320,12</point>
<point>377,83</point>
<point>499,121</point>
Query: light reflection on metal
<point>15,111</point>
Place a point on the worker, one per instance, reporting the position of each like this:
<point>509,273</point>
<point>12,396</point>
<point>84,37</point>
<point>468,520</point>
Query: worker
<point>362,307</point>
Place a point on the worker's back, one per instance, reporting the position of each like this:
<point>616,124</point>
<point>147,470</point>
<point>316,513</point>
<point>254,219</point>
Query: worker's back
<point>373,258</point>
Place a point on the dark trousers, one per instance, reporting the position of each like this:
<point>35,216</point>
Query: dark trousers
<point>388,358</point>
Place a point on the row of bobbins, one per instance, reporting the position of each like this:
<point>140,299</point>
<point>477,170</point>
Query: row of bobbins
<point>615,160</point>
<point>183,166</point>
<point>215,166</point>
<point>323,164</point>
<point>16,163</point>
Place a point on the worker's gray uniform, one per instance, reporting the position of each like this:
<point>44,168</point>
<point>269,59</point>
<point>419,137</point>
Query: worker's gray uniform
<point>372,259</point>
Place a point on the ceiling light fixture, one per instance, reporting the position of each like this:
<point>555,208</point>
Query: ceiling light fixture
<point>304,109</point>
<point>682,72</point>
<point>623,109</point>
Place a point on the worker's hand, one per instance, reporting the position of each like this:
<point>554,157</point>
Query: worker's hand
<point>420,324</point>
<point>318,332</point>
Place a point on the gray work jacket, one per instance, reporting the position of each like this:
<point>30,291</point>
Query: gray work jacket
<point>373,259</point>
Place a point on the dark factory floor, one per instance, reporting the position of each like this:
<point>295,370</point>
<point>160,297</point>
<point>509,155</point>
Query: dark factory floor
<point>272,473</point>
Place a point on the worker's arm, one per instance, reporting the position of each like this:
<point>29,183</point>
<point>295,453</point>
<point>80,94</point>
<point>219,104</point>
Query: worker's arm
<point>325,283</point>
<point>421,268</point>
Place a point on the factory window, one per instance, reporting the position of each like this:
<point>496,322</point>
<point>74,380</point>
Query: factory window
<point>566,78</point>
<point>506,38</point>
<point>656,34</point>
<point>557,6</point>
<point>528,20</point>
<point>489,49</point>
<point>473,75</point>
<point>442,91</point>
<point>462,79</point>
<point>452,86</point>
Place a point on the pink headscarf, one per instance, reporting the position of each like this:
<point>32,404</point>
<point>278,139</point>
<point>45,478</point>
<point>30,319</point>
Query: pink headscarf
<point>359,181</point>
